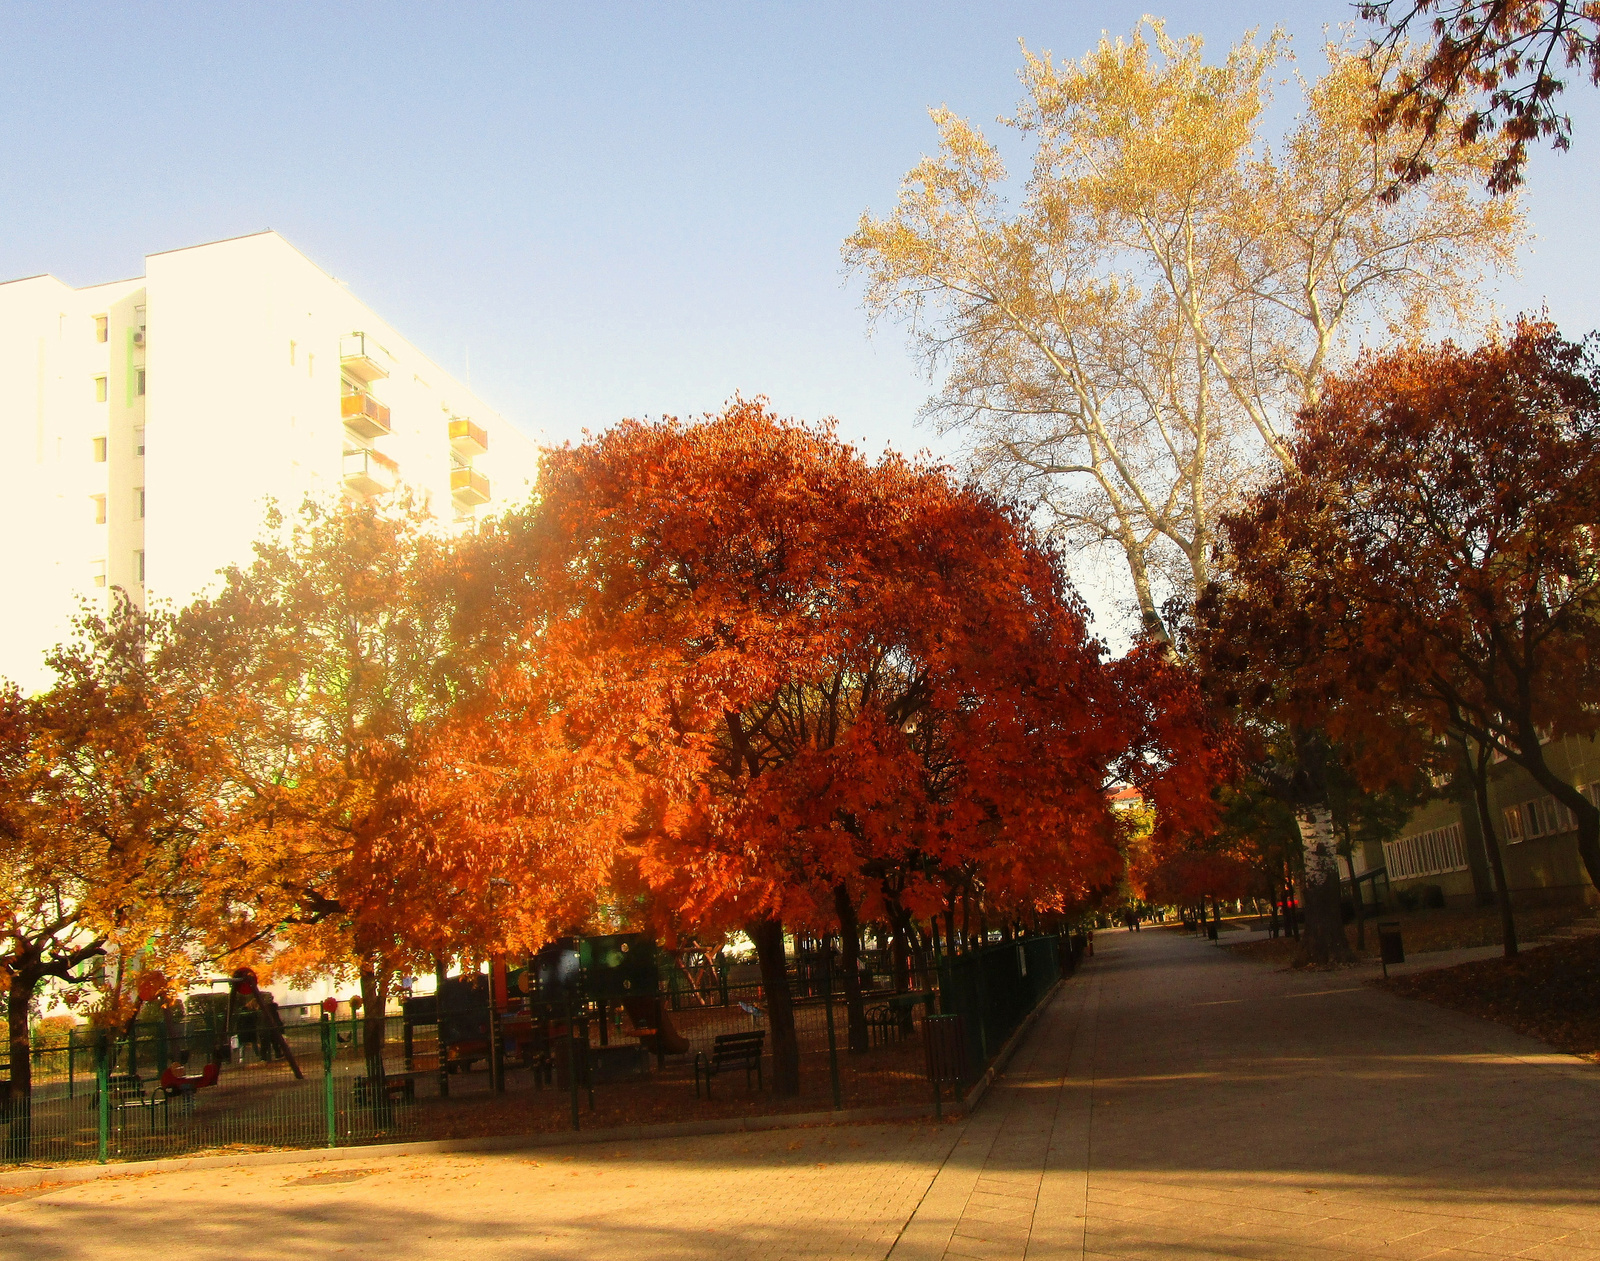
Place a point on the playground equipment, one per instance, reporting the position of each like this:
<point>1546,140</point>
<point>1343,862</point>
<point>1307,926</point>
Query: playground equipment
<point>522,1013</point>
<point>245,995</point>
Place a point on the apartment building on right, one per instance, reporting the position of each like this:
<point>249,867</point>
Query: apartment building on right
<point>1440,852</point>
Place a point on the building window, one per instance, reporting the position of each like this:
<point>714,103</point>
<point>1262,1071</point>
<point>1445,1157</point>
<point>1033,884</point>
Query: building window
<point>98,573</point>
<point>99,389</point>
<point>138,501</point>
<point>1513,821</point>
<point>102,332</point>
<point>1426,854</point>
<point>138,441</point>
<point>139,383</point>
<point>138,564</point>
<point>1543,816</point>
<point>99,502</point>
<point>99,450</point>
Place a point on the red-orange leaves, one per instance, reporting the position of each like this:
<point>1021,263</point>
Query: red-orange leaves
<point>823,670</point>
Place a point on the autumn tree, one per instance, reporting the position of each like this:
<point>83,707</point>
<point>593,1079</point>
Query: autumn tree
<point>1130,342</point>
<point>819,670</point>
<point>109,782</point>
<point>395,801</point>
<point>1489,70</point>
<point>1428,568</point>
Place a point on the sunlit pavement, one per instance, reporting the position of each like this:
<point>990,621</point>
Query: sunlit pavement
<point>1172,1102</point>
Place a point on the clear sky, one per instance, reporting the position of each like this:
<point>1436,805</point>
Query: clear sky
<point>593,210</point>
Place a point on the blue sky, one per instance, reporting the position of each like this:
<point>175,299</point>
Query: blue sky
<point>609,209</point>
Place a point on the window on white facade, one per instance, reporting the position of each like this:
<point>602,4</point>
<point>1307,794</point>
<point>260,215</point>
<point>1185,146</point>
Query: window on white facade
<point>102,332</point>
<point>138,564</point>
<point>99,450</point>
<point>138,441</point>
<point>1512,815</point>
<point>97,573</point>
<point>1425,854</point>
<point>99,389</point>
<point>139,383</point>
<point>99,502</point>
<point>138,502</point>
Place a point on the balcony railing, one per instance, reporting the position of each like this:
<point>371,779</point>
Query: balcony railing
<point>467,487</point>
<point>368,473</point>
<point>467,438</point>
<point>364,415</point>
<point>363,358</point>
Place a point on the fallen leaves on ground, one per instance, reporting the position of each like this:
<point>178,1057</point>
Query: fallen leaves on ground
<point>1552,993</point>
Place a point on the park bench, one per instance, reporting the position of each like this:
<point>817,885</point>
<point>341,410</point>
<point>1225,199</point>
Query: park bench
<point>126,1093</point>
<point>730,1050</point>
<point>888,1020</point>
<point>399,1087</point>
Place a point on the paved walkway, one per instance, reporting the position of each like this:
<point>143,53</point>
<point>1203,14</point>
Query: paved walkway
<point>1174,1102</point>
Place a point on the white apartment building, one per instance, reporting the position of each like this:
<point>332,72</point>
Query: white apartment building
<point>146,425</point>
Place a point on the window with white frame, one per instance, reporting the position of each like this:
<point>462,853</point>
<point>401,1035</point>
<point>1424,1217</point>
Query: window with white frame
<point>1512,816</point>
<point>1429,853</point>
<point>1543,816</point>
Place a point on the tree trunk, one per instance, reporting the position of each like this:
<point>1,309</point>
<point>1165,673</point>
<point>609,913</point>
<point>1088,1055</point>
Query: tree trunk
<point>1480,794</point>
<point>850,952</point>
<point>17,1103</point>
<point>1476,846</point>
<point>374,998</point>
<point>1323,940</point>
<point>767,934</point>
<point>1355,896</point>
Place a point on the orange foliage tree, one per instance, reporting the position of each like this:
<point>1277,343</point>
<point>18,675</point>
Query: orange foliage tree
<point>388,815</point>
<point>829,680</point>
<point>109,782</point>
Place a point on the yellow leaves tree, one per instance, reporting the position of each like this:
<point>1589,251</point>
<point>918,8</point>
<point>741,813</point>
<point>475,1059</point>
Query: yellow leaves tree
<point>110,782</point>
<point>1131,339</point>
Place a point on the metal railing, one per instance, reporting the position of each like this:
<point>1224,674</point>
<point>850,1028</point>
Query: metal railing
<point>99,1098</point>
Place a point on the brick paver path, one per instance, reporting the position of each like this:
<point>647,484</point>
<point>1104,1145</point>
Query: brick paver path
<point>1172,1102</point>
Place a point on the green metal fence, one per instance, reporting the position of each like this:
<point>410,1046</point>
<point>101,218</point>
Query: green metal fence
<point>95,1099</point>
<point>994,988</point>
<point>103,1098</point>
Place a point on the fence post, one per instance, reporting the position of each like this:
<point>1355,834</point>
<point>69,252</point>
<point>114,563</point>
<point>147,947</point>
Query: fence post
<point>572,1060</point>
<point>72,1047</point>
<point>827,1003</point>
<point>982,1013</point>
<point>103,1074</point>
<point>329,1042</point>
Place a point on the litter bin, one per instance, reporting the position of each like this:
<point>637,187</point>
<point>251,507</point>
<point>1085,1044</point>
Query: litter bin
<point>1391,949</point>
<point>1211,931</point>
<point>944,1039</point>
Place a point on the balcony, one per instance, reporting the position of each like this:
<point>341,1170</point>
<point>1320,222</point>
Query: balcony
<point>364,415</point>
<point>368,473</point>
<point>362,358</point>
<point>467,487</point>
<point>467,438</point>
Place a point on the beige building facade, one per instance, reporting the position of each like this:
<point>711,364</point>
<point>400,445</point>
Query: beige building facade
<point>1441,846</point>
<point>146,426</point>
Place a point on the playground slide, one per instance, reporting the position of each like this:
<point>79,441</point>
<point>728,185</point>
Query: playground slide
<point>649,1013</point>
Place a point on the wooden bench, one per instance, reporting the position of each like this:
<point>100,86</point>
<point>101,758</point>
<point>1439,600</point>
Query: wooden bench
<point>730,1050</point>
